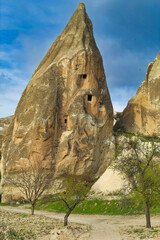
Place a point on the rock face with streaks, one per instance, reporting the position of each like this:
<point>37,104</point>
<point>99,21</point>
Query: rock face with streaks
<point>142,113</point>
<point>65,113</point>
<point>4,123</point>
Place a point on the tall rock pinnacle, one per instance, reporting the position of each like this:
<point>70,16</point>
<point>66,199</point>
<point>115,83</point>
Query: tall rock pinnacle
<point>76,37</point>
<point>65,113</point>
<point>142,114</point>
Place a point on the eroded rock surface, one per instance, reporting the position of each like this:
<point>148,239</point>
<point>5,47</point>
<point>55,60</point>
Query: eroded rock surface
<point>4,123</point>
<point>142,113</point>
<point>65,113</point>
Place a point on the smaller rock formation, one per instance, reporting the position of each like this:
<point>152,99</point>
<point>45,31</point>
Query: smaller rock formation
<point>142,114</point>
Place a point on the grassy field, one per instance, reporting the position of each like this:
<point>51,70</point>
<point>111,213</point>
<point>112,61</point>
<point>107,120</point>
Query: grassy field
<point>99,206</point>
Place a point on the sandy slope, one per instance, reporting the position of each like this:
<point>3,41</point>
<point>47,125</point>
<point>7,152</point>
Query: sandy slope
<point>109,182</point>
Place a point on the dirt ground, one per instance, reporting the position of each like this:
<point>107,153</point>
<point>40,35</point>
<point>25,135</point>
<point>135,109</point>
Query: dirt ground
<point>90,227</point>
<point>20,226</point>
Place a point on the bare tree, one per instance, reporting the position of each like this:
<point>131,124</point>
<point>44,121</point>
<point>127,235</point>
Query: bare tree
<point>139,162</point>
<point>75,190</point>
<point>32,180</point>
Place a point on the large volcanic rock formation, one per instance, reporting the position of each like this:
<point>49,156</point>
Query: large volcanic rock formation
<point>65,113</point>
<point>142,113</point>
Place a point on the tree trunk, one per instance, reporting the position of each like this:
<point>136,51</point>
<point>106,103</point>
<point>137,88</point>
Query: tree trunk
<point>147,214</point>
<point>66,217</point>
<point>33,205</point>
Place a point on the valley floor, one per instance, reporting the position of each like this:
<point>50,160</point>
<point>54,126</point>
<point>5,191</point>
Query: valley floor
<point>102,227</point>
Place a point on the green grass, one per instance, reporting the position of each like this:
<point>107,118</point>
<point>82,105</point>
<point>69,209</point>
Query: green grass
<point>155,210</point>
<point>142,233</point>
<point>138,231</point>
<point>5,204</point>
<point>13,204</point>
<point>122,131</point>
<point>97,206</point>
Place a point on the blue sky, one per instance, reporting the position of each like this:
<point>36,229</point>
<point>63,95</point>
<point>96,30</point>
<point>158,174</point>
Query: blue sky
<point>127,33</point>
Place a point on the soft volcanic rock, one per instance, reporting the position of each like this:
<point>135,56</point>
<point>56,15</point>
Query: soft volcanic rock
<point>65,113</point>
<point>142,113</point>
<point>4,123</point>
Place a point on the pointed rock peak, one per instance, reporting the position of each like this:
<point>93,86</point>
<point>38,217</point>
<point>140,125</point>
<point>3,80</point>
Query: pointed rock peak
<point>81,6</point>
<point>78,21</point>
<point>77,36</point>
<point>79,16</point>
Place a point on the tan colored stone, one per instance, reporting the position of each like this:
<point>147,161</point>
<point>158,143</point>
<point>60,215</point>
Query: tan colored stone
<point>142,114</point>
<point>4,123</point>
<point>65,113</point>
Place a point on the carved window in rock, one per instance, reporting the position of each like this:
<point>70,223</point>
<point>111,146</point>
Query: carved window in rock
<point>84,76</point>
<point>65,121</point>
<point>89,98</point>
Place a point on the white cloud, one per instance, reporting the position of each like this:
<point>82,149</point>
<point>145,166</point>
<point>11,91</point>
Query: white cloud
<point>9,101</point>
<point>125,70</point>
<point>20,65</point>
<point>121,96</point>
<point>9,54</point>
<point>16,76</point>
<point>12,84</point>
<point>33,50</point>
<point>122,66</point>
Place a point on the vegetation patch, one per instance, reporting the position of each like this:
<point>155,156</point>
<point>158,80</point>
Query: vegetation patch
<point>99,206</point>
<point>132,233</point>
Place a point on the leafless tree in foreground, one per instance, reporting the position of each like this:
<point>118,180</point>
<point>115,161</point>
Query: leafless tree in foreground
<point>32,180</point>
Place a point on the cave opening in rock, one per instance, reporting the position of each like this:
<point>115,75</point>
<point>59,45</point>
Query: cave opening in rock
<point>84,76</point>
<point>89,98</point>
<point>65,121</point>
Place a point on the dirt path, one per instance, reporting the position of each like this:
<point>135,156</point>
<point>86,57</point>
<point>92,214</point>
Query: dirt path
<point>103,227</point>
